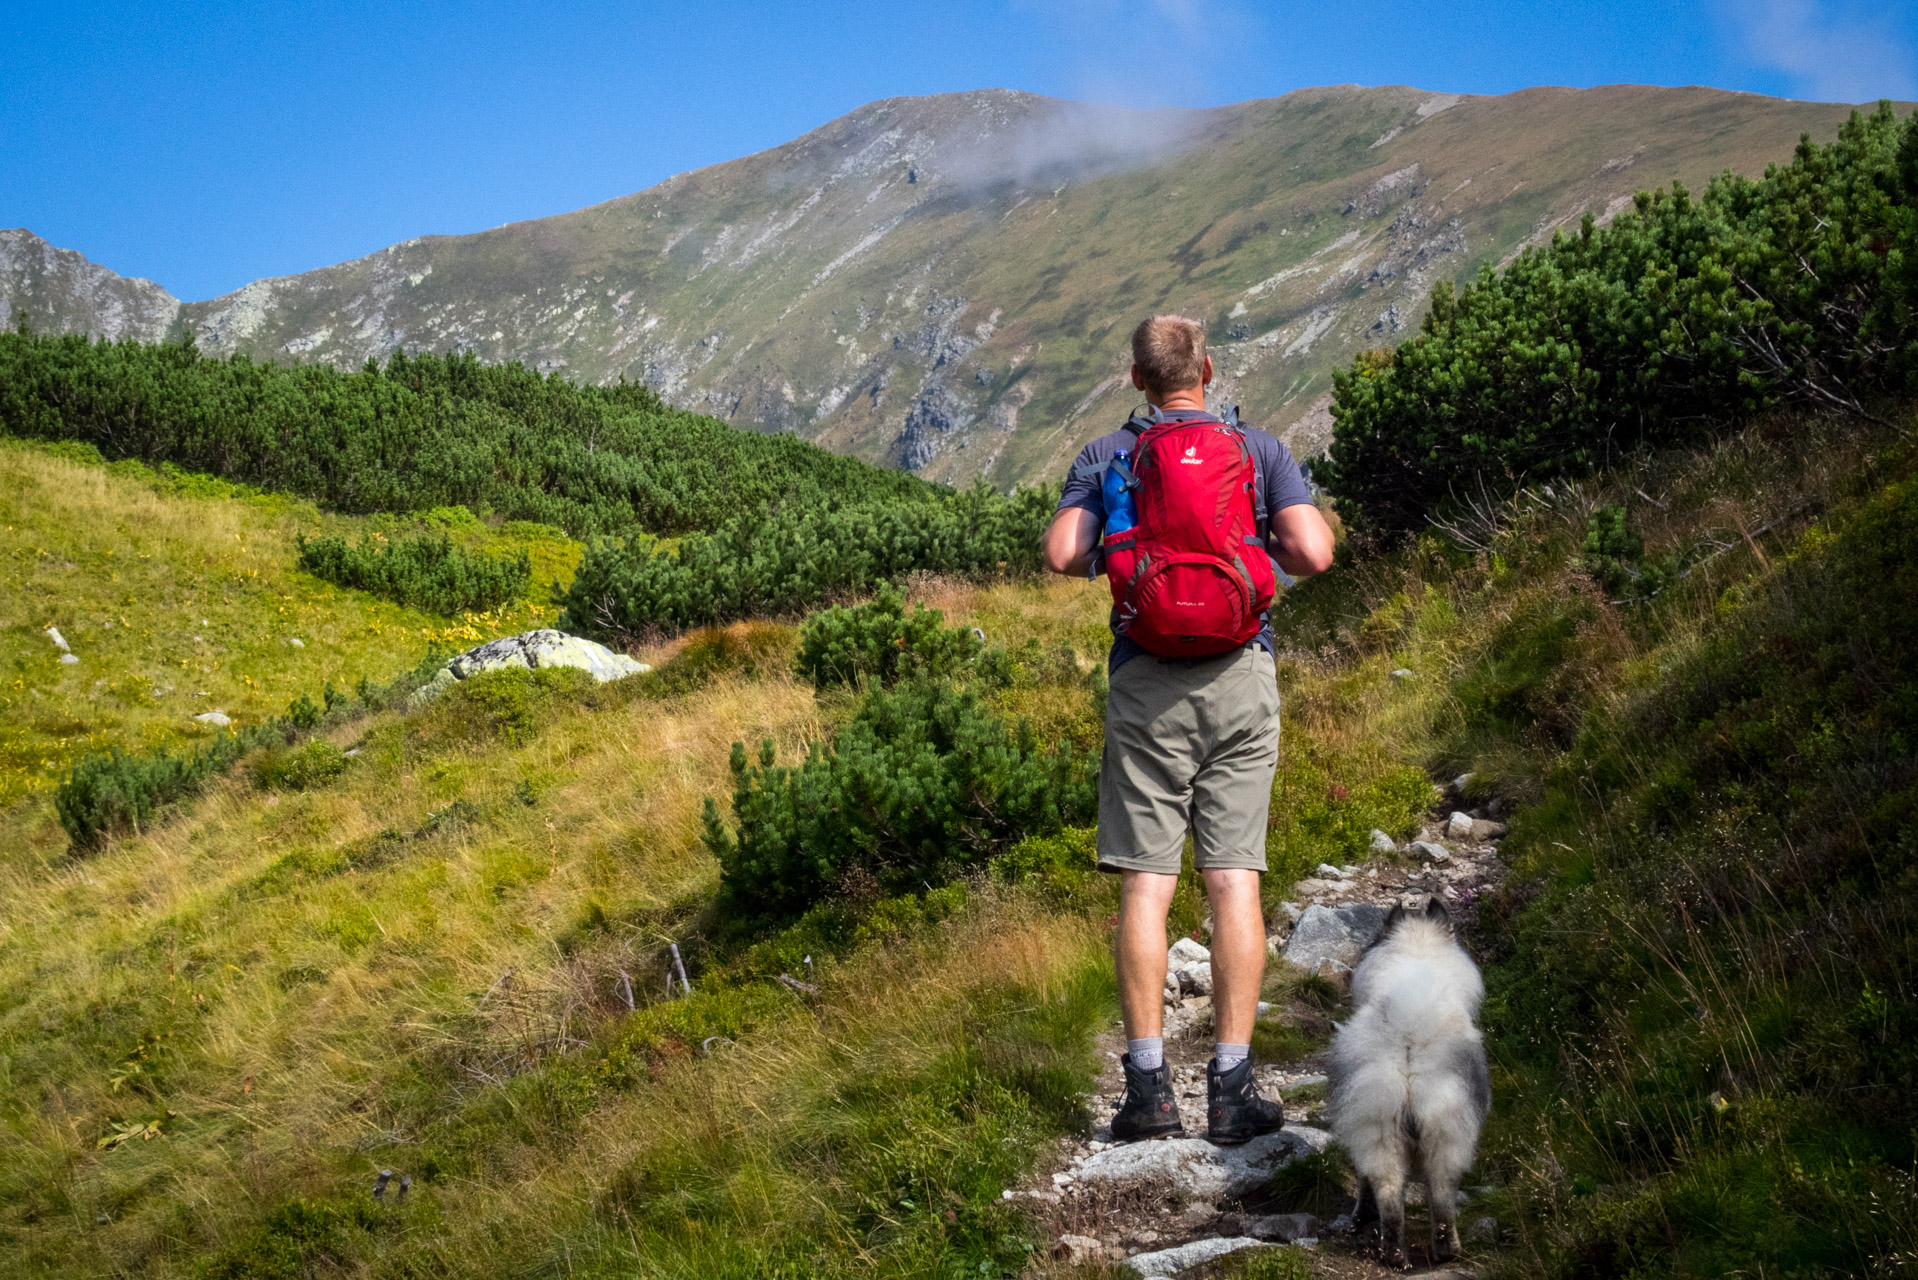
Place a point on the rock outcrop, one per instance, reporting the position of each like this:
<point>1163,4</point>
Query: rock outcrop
<point>532,651</point>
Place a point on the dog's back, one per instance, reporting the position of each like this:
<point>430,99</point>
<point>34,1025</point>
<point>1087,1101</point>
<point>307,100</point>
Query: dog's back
<point>1410,1088</point>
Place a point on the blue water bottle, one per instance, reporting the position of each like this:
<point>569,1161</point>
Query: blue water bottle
<point>1122,513</point>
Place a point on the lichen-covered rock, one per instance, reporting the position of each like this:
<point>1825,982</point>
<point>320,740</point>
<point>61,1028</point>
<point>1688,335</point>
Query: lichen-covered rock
<point>1170,1262</point>
<point>1325,936</point>
<point>533,651</point>
<point>1199,1170</point>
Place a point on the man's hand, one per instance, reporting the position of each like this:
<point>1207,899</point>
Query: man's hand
<point>1069,540</point>
<point>1302,541</point>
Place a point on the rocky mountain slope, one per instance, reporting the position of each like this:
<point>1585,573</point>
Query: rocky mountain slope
<point>946,283</point>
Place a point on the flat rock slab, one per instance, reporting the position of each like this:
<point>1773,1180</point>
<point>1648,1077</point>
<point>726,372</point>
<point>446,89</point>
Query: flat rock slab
<point>1333,936</point>
<point>1169,1262</point>
<point>1198,1168</point>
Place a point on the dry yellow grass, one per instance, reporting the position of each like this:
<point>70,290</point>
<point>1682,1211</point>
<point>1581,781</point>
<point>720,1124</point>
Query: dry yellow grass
<point>228,968</point>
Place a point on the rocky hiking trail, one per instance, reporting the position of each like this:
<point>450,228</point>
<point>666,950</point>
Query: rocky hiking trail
<point>1175,1206</point>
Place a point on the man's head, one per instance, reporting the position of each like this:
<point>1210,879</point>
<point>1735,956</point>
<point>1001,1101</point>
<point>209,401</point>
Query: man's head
<point>1168,358</point>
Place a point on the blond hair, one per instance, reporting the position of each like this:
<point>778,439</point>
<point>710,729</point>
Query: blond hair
<point>1170,353</point>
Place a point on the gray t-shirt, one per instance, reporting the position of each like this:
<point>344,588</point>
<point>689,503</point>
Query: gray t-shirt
<point>1281,484</point>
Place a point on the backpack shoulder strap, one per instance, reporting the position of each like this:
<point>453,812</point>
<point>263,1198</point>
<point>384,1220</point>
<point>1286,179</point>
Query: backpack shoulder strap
<point>1142,421</point>
<point>1259,514</point>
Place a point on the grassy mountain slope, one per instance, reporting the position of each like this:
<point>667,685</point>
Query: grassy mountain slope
<point>216,1032</point>
<point>1701,969</point>
<point>179,596</point>
<point>946,283</point>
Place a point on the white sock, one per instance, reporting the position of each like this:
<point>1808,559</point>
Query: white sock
<point>1229,1056</point>
<point>1147,1054</point>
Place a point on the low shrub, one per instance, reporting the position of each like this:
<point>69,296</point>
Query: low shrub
<point>423,571</point>
<point>1066,862</point>
<point>120,791</point>
<point>507,703</point>
<point>742,649</point>
<point>881,641</point>
<point>312,763</point>
<point>1681,317</point>
<point>298,1237</point>
<point>783,564</point>
<point>920,784</point>
<point>117,791</point>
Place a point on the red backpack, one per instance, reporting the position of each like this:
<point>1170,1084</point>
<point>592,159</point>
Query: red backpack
<point>1192,577</point>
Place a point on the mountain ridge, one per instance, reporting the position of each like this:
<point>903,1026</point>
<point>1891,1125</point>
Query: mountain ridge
<point>945,283</point>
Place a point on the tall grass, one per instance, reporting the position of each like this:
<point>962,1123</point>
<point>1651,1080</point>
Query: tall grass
<point>423,964</point>
<point>1700,979</point>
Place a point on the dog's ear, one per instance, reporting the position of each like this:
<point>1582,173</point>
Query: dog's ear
<point>1436,912</point>
<point>1392,918</point>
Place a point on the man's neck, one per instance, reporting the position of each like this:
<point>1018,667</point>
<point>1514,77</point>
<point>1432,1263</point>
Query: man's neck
<point>1192,399</point>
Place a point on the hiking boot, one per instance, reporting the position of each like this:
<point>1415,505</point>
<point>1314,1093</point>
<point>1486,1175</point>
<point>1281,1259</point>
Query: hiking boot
<point>1149,1109</point>
<point>1234,1111</point>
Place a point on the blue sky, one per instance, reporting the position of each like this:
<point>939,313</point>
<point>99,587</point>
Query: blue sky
<point>205,145</point>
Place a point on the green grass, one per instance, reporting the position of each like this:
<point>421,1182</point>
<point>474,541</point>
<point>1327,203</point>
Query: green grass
<point>179,595</point>
<point>416,957</point>
<point>1700,973</point>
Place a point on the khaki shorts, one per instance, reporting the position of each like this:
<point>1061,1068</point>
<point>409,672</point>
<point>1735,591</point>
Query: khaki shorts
<point>1189,746</point>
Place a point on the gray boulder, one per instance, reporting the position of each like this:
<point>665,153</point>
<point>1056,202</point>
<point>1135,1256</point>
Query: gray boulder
<point>1170,1262</point>
<point>1334,937</point>
<point>532,651</point>
<point>1426,851</point>
<point>1285,1227</point>
<point>1383,844</point>
<point>217,718</point>
<point>1198,1169</point>
<point>1459,826</point>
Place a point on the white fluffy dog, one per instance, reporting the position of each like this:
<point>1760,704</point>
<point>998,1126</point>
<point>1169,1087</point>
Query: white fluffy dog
<point>1408,1078</point>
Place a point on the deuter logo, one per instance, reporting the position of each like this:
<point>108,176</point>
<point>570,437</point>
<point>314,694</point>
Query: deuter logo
<point>1192,458</point>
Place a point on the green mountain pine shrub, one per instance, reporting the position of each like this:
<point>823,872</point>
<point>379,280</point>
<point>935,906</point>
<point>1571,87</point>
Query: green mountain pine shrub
<point>879,640</point>
<point>423,571</point>
<point>425,431</point>
<point>117,791</point>
<point>1680,317</point>
<point>792,560</point>
<point>922,783</point>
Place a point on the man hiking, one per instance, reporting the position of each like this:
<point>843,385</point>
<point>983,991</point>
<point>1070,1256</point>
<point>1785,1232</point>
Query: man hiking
<point>1181,509</point>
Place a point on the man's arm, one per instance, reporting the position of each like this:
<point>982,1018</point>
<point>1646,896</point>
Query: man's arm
<point>1069,540</point>
<point>1302,541</point>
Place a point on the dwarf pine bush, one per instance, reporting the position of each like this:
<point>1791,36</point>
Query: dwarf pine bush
<point>923,782</point>
<point>881,641</point>
<point>1682,316</point>
<point>424,431</point>
<point>789,562</point>
<point>422,571</point>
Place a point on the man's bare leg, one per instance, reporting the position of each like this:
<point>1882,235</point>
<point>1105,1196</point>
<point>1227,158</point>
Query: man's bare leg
<point>1235,1110</point>
<point>1238,951</point>
<point>1139,950</point>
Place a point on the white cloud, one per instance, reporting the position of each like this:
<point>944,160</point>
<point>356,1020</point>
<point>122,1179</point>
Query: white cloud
<point>1831,53</point>
<point>1144,53</point>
